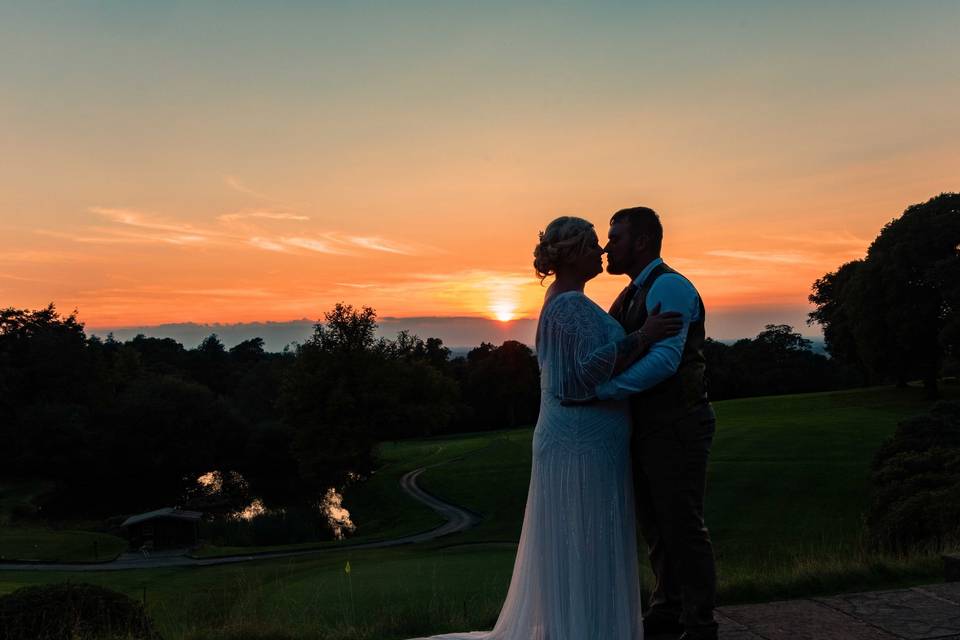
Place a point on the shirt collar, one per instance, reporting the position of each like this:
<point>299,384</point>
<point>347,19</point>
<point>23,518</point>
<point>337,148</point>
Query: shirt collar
<point>638,281</point>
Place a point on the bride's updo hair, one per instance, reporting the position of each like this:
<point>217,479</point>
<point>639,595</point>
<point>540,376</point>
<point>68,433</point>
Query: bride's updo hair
<point>564,240</point>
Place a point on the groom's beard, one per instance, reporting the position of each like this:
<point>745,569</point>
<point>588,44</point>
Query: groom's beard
<point>614,268</point>
<point>621,267</point>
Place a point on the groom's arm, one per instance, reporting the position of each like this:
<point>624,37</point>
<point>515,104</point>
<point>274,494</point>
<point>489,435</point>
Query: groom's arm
<point>673,293</point>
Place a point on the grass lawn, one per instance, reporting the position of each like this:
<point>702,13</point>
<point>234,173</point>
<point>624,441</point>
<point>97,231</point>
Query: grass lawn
<point>793,470</point>
<point>787,487</point>
<point>389,593</point>
<point>58,546</point>
<point>34,542</point>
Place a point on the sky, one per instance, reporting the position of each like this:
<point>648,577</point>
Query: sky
<point>240,162</point>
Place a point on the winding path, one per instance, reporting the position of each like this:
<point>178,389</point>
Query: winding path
<point>457,519</point>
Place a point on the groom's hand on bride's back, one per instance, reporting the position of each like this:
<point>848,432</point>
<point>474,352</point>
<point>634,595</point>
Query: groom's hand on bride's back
<point>662,325</point>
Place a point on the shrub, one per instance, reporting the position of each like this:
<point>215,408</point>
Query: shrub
<point>916,484</point>
<point>72,611</point>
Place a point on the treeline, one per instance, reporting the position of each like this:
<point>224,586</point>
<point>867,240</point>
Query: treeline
<point>778,361</point>
<point>128,426</point>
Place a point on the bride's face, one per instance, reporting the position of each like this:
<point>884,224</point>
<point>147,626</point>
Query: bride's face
<point>590,263</point>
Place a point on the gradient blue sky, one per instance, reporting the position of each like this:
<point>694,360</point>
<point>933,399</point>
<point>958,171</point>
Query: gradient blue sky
<point>172,162</point>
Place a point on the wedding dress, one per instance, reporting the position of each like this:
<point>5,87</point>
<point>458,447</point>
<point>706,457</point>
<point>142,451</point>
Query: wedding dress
<point>575,576</point>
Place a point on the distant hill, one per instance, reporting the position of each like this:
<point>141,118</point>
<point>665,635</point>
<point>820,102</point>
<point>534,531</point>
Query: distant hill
<point>817,344</point>
<point>460,334</point>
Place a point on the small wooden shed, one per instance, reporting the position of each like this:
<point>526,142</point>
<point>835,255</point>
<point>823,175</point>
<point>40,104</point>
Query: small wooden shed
<point>166,528</point>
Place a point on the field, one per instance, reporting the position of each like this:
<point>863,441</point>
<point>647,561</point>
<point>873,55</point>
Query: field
<point>36,543</point>
<point>787,488</point>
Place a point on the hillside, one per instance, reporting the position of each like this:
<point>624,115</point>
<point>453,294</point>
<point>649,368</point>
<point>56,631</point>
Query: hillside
<point>787,485</point>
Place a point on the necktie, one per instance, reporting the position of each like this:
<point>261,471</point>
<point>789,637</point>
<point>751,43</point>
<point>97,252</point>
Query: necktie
<point>624,302</point>
<point>631,293</point>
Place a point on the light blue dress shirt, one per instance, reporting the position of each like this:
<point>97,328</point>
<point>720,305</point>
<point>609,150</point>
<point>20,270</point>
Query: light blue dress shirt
<point>674,293</point>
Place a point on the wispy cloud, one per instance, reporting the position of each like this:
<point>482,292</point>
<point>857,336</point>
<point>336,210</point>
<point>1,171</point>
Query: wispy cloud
<point>227,293</point>
<point>319,245</point>
<point>10,276</point>
<point>42,256</point>
<point>114,236</point>
<point>477,277</point>
<point>382,244</point>
<point>824,239</point>
<point>240,229</point>
<point>267,244</point>
<point>761,256</point>
<point>152,229</point>
<point>237,185</point>
<point>266,215</point>
<point>142,220</point>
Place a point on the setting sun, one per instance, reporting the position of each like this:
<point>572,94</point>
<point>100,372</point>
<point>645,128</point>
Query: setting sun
<point>504,311</point>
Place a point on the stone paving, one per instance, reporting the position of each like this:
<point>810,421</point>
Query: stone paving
<point>921,613</point>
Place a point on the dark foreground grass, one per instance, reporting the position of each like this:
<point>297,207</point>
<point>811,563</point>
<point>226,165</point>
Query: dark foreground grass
<point>45,545</point>
<point>388,593</point>
<point>398,593</point>
<point>23,537</point>
<point>788,485</point>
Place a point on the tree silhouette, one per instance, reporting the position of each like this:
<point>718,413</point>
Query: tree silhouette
<point>833,299</point>
<point>347,389</point>
<point>895,311</point>
<point>778,361</point>
<point>501,385</point>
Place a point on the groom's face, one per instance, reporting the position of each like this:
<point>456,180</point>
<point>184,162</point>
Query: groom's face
<point>620,249</point>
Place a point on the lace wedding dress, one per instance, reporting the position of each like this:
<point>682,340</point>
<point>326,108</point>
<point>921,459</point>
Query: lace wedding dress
<point>575,576</point>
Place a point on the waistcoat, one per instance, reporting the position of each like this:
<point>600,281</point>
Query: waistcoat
<point>685,390</point>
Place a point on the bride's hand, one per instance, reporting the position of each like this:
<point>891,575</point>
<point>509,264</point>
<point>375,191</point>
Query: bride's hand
<point>662,325</point>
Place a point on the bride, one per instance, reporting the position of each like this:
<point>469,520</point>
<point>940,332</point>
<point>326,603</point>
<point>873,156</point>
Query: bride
<point>575,576</point>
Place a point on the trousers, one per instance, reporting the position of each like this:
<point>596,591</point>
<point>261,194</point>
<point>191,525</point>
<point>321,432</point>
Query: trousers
<point>670,472</point>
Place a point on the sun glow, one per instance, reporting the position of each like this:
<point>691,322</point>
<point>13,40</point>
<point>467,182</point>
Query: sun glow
<point>504,311</point>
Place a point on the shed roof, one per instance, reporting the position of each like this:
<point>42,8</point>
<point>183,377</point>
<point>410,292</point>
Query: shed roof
<point>166,512</point>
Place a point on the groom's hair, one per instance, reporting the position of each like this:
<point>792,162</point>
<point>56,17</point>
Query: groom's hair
<point>643,221</point>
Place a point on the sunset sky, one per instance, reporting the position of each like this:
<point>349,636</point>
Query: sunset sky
<point>170,162</point>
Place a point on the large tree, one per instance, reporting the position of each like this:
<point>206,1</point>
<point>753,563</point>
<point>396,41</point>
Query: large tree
<point>501,385</point>
<point>346,389</point>
<point>159,436</point>
<point>832,297</point>
<point>895,312</point>
<point>45,389</point>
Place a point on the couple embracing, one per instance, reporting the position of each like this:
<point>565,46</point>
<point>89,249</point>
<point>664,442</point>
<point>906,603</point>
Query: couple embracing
<point>624,432</point>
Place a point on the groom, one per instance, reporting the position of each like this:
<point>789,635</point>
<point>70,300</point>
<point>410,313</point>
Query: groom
<point>673,426</point>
